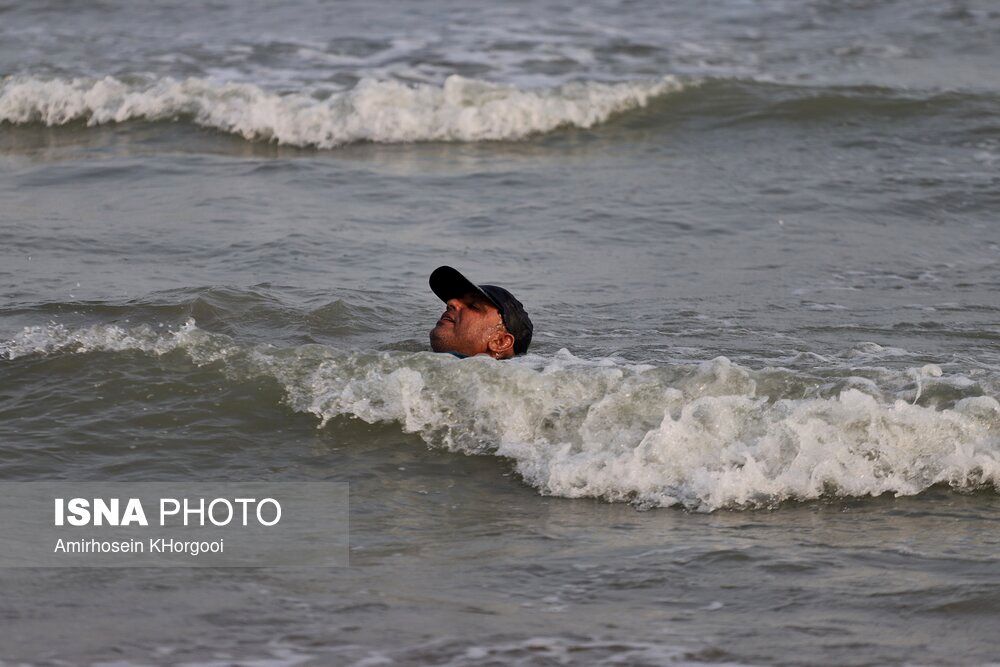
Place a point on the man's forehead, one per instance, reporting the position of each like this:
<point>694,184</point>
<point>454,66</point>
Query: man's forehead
<point>473,299</point>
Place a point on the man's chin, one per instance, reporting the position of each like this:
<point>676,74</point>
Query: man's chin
<point>438,342</point>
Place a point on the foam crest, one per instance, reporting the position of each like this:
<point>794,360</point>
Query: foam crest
<point>698,437</point>
<point>379,111</point>
<point>201,346</point>
<point>704,436</point>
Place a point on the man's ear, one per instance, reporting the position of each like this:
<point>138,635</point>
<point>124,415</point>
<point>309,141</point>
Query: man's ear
<point>501,345</point>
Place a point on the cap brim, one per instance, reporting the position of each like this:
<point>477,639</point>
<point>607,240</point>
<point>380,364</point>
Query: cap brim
<point>447,283</point>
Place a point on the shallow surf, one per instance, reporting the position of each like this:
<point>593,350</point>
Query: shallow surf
<point>759,421</point>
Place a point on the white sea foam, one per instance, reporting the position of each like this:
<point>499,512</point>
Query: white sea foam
<point>702,436</point>
<point>202,346</point>
<point>379,111</point>
<point>549,650</point>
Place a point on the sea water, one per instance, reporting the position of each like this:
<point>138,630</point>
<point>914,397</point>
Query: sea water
<point>759,419</point>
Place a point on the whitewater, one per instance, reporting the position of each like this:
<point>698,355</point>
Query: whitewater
<point>706,436</point>
<point>460,109</point>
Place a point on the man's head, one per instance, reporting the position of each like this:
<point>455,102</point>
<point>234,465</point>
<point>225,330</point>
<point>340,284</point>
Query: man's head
<point>478,319</point>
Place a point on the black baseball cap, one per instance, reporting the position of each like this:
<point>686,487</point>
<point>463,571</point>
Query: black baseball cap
<point>448,283</point>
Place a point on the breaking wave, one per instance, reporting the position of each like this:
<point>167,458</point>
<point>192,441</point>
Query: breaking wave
<point>705,436</point>
<point>378,111</point>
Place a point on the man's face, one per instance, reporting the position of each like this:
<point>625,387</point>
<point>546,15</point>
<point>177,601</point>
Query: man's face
<point>466,326</point>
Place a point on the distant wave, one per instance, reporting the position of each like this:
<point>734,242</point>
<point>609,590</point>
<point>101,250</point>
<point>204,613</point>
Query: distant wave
<point>703,437</point>
<point>377,111</point>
